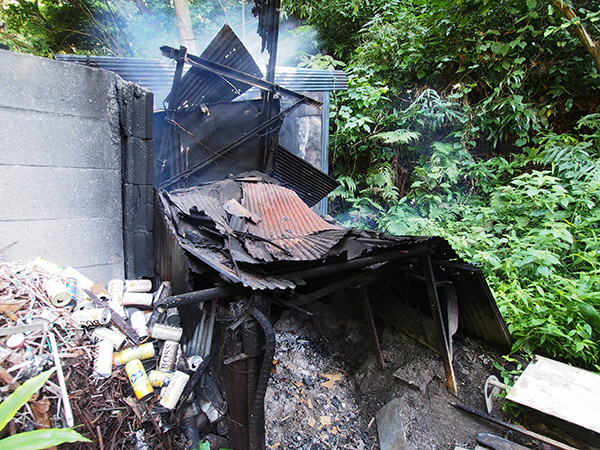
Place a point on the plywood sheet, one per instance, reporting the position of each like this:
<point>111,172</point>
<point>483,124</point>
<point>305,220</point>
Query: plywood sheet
<point>560,390</point>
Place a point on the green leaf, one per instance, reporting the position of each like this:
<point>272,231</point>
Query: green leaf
<point>14,402</point>
<point>531,4</point>
<point>204,445</point>
<point>39,439</point>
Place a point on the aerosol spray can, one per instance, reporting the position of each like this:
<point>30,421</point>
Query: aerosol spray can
<point>139,379</point>
<point>172,393</point>
<point>144,351</point>
<point>103,359</point>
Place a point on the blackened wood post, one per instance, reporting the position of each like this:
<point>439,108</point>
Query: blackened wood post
<point>438,319</point>
<point>365,301</point>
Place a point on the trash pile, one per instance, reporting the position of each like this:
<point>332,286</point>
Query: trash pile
<point>121,374</point>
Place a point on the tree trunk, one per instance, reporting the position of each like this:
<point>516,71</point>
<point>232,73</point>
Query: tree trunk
<point>184,24</point>
<point>592,47</point>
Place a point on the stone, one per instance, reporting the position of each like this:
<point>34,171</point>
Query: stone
<point>390,428</point>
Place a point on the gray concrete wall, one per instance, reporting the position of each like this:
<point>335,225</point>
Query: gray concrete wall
<point>63,142</point>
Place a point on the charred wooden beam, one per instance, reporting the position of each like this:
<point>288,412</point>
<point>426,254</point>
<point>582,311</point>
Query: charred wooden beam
<point>358,263</point>
<point>366,305</point>
<point>438,319</point>
<point>233,74</point>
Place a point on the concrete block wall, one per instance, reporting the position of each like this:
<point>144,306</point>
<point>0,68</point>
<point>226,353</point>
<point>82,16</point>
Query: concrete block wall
<point>70,144</point>
<point>137,149</point>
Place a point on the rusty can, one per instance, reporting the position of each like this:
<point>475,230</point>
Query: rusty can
<point>138,285</point>
<point>172,393</point>
<point>159,379</point>
<point>91,317</point>
<point>173,318</point>
<point>137,318</point>
<point>103,359</point>
<point>168,356</point>
<point>116,338</point>
<point>139,379</point>
<point>57,292</point>
<point>165,332</point>
<point>143,299</point>
<point>71,284</point>
<point>144,351</point>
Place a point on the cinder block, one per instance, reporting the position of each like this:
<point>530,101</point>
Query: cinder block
<point>103,273</point>
<point>41,84</point>
<point>139,251</point>
<point>138,161</point>
<point>137,207</point>
<point>142,113</point>
<point>78,243</point>
<point>44,193</point>
<point>34,138</point>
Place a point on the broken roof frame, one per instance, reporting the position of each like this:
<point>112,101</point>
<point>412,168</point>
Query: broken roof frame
<point>352,259</point>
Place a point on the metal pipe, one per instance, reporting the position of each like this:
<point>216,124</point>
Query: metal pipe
<point>211,328</point>
<point>233,74</point>
<point>64,394</point>
<point>197,296</point>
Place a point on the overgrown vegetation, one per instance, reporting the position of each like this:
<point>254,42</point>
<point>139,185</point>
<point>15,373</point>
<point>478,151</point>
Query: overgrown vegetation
<point>478,121</point>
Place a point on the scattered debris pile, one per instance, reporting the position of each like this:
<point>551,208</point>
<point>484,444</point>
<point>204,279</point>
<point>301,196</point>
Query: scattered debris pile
<point>109,357</point>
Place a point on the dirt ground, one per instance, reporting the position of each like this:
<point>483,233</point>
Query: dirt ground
<point>326,388</point>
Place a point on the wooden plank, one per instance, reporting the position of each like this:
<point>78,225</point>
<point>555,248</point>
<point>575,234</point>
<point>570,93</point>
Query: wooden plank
<point>438,319</point>
<point>560,390</point>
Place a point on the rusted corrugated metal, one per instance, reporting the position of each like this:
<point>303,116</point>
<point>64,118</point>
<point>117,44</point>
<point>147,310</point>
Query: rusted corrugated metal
<point>288,229</point>
<point>202,244</point>
<point>199,86</point>
<point>283,214</point>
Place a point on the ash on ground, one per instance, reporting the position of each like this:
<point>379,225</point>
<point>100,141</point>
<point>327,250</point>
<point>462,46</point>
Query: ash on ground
<point>326,389</point>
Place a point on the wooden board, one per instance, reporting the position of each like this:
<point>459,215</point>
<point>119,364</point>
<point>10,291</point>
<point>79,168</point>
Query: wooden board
<point>560,390</point>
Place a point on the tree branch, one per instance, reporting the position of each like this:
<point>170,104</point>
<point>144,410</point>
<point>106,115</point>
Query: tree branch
<point>592,47</point>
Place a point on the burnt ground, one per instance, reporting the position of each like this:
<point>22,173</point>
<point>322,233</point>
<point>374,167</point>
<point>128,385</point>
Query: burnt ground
<point>326,388</point>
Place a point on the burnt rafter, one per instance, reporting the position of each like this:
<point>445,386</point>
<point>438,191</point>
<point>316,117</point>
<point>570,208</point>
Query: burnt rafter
<point>236,75</point>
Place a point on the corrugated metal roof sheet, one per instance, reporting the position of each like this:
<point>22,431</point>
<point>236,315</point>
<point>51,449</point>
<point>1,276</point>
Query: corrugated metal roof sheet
<point>199,86</point>
<point>283,214</point>
<point>288,229</point>
<point>309,182</point>
<point>156,75</point>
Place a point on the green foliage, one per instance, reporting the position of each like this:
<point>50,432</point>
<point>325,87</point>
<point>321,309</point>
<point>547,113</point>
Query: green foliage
<point>478,121</point>
<point>38,439</point>
<point>534,230</point>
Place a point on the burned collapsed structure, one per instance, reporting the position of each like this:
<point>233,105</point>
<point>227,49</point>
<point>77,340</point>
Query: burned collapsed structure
<point>235,230</point>
<point>236,236</point>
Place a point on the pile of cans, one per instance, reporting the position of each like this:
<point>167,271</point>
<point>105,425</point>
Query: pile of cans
<point>149,365</point>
